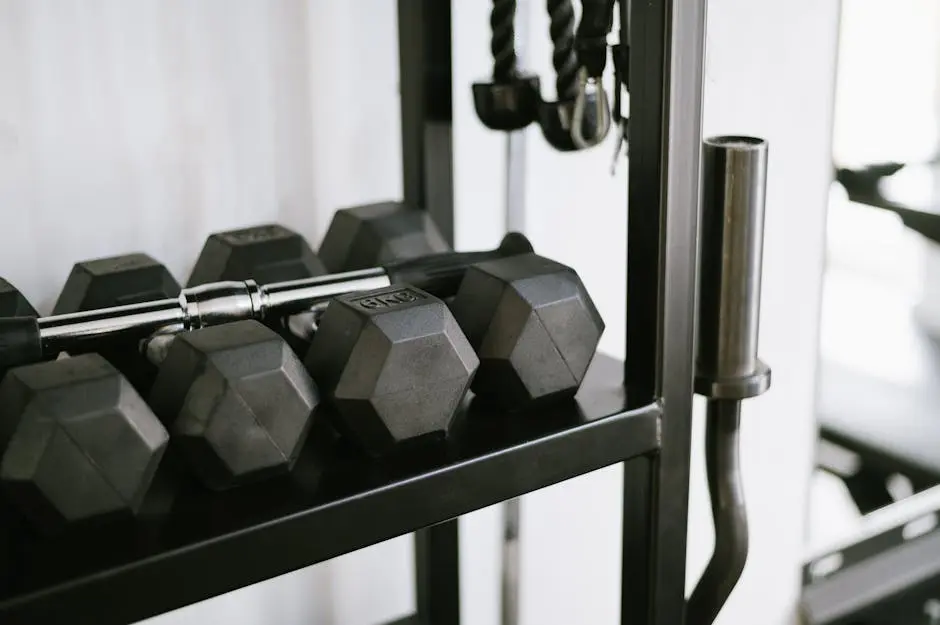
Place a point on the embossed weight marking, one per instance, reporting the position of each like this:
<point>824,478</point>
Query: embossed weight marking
<point>388,300</point>
<point>254,234</point>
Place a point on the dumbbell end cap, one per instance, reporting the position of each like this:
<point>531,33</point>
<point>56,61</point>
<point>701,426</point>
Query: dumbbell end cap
<point>20,342</point>
<point>515,243</point>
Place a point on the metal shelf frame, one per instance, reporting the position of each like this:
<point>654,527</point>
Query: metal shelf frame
<point>637,412</point>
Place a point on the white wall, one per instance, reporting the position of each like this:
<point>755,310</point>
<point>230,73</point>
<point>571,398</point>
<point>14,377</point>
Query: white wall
<point>147,125</point>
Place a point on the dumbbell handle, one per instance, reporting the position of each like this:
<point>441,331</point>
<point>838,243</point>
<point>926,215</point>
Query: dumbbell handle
<point>29,339</point>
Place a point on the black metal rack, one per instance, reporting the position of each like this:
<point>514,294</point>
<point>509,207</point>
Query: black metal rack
<point>637,412</point>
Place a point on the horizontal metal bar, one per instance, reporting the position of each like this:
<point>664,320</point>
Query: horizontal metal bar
<point>885,519</point>
<point>890,575</point>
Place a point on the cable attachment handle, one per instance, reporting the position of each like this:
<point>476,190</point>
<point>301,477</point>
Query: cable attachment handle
<point>580,117</point>
<point>510,101</point>
<point>620,52</point>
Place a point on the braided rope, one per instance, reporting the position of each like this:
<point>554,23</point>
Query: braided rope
<point>561,29</point>
<point>503,41</point>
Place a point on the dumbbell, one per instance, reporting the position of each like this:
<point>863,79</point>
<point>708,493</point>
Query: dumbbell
<point>115,281</point>
<point>78,443</point>
<point>530,319</point>
<point>265,253</point>
<point>514,374</point>
<point>366,236</point>
<point>394,359</point>
<point>27,339</point>
<point>212,304</point>
<point>13,303</point>
<point>415,229</point>
<point>235,398</point>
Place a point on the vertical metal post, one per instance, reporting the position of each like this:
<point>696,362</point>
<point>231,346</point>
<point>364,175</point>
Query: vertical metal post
<point>437,563</point>
<point>425,77</point>
<point>515,222</point>
<point>638,500</point>
<point>666,65</point>
<point>509,587</point>
<point>516,141</point>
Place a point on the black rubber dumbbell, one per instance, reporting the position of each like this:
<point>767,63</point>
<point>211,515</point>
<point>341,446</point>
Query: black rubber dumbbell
<point>78,443</point>
<point>13,303</point>
<point>533,325</point>
<point>368,236</point>
<point>530,319</point>
<point>115,281</point>
<point>207,306</point>
<point>265,253</point>
<point>28,339</point>
<point>236,400</point>
<point>395,361</point>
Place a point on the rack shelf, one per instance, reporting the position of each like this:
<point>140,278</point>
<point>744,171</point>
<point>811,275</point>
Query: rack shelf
<point>334,502</point>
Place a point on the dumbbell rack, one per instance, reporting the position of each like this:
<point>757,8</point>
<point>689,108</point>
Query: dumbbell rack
<point>209,544</point>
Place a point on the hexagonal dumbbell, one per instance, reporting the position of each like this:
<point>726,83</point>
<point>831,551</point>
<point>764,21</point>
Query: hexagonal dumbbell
<point>77,441</point>
<point>394,361</point>
<point>368,236</point>
<point>12,302</point>
<point>530,319</point>
<point>395,364</point>
<point>509,309</point>
<point>534,326</point>
<point>114,281</point>
<point>266,253</point>
<point>236,400</point>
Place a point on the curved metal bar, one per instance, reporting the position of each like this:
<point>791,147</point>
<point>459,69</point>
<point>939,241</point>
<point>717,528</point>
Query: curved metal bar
<point>722,463</point>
